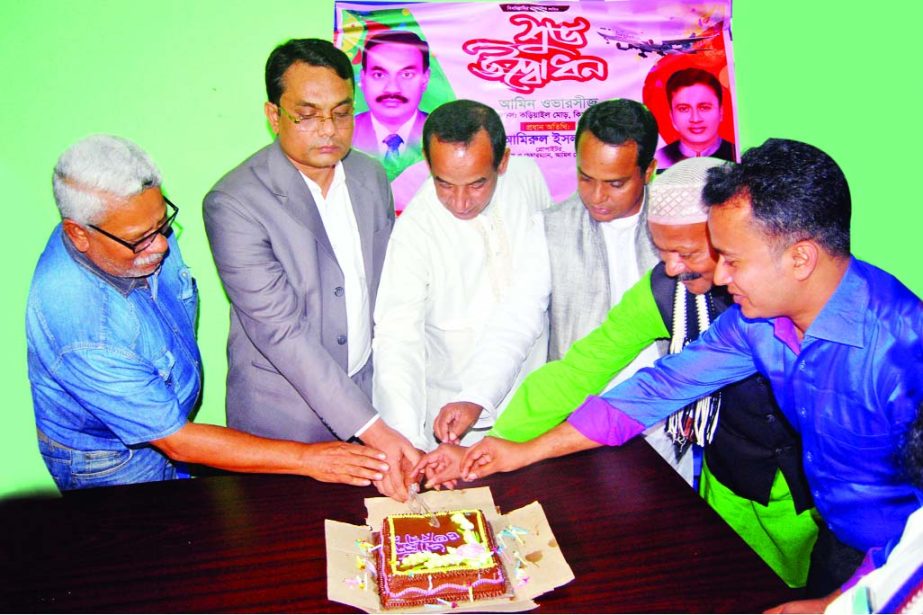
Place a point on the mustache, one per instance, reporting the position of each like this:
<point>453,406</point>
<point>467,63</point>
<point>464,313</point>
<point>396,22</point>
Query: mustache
<point>150,259</point>
<point>688,276</point>
<point>396,97</point>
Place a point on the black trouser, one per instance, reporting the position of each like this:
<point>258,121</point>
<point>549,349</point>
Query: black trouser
<point>832,563</point>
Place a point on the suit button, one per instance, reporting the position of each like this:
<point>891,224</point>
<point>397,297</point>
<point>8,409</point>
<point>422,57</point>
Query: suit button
<point>338,291</point>
<point>341,339</point>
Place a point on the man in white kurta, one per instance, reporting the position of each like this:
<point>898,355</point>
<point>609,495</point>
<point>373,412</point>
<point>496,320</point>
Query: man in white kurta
<point>449,263</point>
<point>580,257</point>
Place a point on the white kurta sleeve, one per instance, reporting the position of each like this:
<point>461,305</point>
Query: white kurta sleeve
<point>398,345</point>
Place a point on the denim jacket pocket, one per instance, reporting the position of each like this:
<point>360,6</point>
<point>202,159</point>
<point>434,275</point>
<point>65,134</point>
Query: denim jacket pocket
<point>189,293</point>
<point>164,365</point>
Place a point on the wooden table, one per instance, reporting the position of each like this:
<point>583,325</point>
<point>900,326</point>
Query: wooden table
<point>637,538</point>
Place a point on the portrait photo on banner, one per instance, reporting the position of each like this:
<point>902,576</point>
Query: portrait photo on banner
<point>541,66</point>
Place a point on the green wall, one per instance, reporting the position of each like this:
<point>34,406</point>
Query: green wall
<point>184,80</point>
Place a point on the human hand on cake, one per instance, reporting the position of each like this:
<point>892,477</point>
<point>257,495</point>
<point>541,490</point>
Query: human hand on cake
<point>401,456</point>
<point>441,466</point>
<point>492,455</point>
<point>409,475</point>
<point>455,419</point>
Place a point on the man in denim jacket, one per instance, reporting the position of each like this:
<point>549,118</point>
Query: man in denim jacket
<point>110,326</point>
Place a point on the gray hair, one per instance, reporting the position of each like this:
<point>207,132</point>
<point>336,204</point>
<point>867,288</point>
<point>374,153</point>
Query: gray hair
<point>97,167</point>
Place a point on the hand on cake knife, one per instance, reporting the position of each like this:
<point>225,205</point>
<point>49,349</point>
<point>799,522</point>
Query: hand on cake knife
<point>418,506</point>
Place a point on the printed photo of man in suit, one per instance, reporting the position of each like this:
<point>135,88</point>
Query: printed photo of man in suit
<point>395,73</point>
<point>696,103</point>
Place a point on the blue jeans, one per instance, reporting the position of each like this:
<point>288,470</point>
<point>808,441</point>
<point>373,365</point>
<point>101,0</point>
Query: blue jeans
<point>73,469</point>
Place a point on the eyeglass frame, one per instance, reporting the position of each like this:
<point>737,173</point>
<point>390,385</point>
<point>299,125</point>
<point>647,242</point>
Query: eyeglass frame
<point>164,229</point>
<point>316,121</point>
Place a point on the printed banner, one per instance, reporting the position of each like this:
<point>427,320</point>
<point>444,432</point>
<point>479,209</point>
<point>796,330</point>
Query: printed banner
<point>541,66</point>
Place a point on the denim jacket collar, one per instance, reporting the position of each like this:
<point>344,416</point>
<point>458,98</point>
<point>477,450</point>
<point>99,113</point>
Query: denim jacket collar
<point>123,285</point>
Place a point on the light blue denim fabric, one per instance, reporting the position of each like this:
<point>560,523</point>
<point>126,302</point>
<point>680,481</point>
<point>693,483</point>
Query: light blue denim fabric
<point>111,368</point>
<point>73,469</point>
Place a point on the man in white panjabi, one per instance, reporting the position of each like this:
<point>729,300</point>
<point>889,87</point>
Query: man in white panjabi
<point>449,263</point>
<point>581,256</point>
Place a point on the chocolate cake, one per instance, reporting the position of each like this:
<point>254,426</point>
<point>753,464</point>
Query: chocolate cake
<point>421,564</point>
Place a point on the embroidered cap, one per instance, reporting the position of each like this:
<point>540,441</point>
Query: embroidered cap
<point>676,194</point>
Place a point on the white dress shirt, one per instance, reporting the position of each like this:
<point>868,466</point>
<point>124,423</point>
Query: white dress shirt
<point>441,281</point>
<point>336,212</point>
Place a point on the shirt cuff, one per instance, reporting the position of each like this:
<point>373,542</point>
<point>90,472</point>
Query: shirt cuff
<point>488,414</point>
<point>363,429</point>
<point>600,422</point>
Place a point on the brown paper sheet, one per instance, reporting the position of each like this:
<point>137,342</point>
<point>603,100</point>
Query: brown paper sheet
<point>544,564</point>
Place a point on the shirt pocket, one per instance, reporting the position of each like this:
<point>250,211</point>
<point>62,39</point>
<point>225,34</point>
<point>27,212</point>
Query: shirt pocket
<point>188,293</point>
<point>165,364</point>
<point>864,453</point>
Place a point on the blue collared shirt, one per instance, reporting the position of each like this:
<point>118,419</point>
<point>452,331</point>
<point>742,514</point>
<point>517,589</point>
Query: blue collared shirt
<point>113,362</point>
<point>851,388</point>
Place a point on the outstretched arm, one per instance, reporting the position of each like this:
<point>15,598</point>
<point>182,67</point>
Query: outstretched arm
<point>492,455</point>
<point>441,467</point>
<point>549,394</point>
<point>229,449</point>
<point>593,424</point>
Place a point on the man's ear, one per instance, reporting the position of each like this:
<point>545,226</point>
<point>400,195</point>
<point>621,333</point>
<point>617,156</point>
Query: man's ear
<point>804,257</point>
<point>77,234</point>
<point>501,168</point>
<point>272,114</point>
<point>649,172</point>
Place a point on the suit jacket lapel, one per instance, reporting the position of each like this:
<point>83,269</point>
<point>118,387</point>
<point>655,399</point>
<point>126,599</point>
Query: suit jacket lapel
<point>289,186</point>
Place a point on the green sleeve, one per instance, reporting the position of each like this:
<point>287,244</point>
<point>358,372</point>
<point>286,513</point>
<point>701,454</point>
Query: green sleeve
<point>549,394</point>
